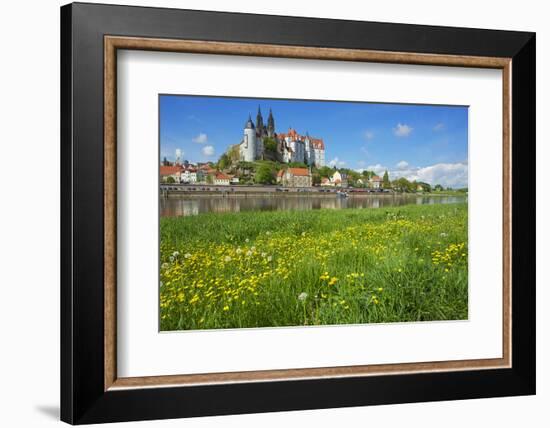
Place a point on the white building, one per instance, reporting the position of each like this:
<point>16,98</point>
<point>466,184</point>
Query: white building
<point>301,148</point>
<point>339,179</point>
<point>192,175</point>
<point>291,147</point>
<point>375,182</point>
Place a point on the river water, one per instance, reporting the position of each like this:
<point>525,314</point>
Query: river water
<point>194,204</point>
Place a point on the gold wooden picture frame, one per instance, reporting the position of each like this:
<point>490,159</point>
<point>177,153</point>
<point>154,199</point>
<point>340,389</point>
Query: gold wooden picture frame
<point>114,43</point>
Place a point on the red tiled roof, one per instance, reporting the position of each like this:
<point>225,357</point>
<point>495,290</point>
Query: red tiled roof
<point>280,173</point>
<point>170,170</point>
<point>222,176</point>
<point>376,178</point>
<point>302,172</point>
<point>317,143</point>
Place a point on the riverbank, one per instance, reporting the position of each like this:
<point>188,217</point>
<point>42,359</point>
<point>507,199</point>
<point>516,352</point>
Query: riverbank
<point>315,267</point>
<point>179,190</point>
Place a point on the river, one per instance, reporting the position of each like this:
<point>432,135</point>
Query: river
<point>189,205</point>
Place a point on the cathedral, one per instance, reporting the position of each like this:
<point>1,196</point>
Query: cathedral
<point>291,146</point>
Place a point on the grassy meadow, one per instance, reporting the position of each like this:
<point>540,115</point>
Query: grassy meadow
<point>317,267</point>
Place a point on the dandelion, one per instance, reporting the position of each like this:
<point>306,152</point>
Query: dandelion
<point>165,266</point>
<point>303,233</point>
<point>268,233</point>
<point>227,259</point>
<point>187,255</point>
<point>302,297</point>
<point>269,258</point>
<point>443,234</point>
<point>171,258</point>
<point>176,254</point>
<point>238,250</point>
<point>247,240</point>
<point>248,253</point>
<point>264,255</point>
<point>253,248</point>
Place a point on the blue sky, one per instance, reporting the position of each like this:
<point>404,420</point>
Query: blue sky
<point>426,143</point>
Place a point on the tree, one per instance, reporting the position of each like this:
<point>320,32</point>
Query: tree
<point>210,179</point>
<point>325,172</point>
<point>426,187</point>
<point>170,180</point>
<point>386,180</point>
<point>315,179</point>
<point>264,175</point>
<point>368,174</point>
<point>224,162</point>
<point>438,188</point>
<point>403,185</point>
<point>270,145</point>
<point>297,165</point>
<point>353,175</point>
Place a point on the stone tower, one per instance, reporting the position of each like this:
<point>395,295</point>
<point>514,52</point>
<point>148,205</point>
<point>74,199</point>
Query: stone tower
<point>248,146</point>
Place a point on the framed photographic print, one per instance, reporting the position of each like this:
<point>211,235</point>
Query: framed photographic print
<point>265,213</point>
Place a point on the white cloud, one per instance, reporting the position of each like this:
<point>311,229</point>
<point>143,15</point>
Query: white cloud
<point>439,127</point>
<point>402,165</point>
<point>200,139</point>
<point>208,150</point>
<point>447,174</point>
<point>378,169</point>
<point>369,135</point>
<point>402,130</point>
<point>336,162</point>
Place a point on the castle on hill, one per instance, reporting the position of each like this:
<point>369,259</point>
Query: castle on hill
<point>291,146</point>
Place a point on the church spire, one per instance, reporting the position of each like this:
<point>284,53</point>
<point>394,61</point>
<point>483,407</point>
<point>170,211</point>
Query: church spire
<point>259,121</point>
<point>270,124</point>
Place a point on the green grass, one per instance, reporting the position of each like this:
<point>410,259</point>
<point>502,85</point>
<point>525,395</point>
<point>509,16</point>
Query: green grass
<point>289,268</point>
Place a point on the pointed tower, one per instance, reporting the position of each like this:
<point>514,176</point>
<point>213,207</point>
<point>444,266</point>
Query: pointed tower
<point>270,125</point>
<point>260,123</point>
<point>248,146</point>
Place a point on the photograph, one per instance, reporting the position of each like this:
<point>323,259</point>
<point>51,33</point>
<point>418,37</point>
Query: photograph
<point>288,212</point>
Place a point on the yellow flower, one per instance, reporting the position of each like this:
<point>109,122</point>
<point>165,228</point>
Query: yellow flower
<point>226,308</point>
<point>333,280</point>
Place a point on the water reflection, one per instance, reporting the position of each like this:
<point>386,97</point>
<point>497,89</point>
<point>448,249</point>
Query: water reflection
<point>194,205</point>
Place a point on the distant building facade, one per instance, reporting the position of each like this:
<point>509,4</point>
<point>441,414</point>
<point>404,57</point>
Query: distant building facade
<point>375,182</point>
<point>291,146</point>
<point>192,175</point>
<point>339,179</point>
<point>222,179</point>
<point>295,177</point>
<point>170,173</point>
